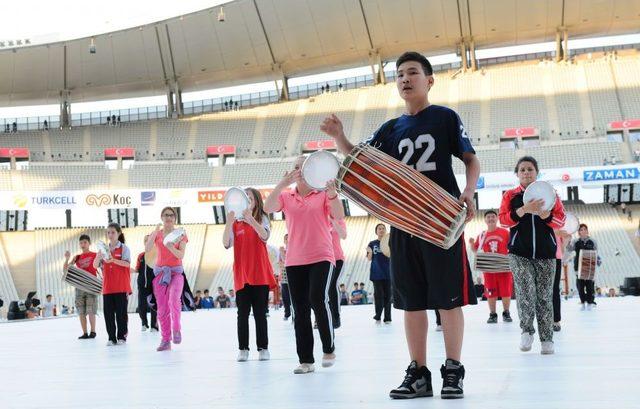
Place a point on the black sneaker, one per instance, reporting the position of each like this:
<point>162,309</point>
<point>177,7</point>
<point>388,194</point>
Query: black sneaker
<point>336,324</point>
<point>84,336</point>
<point>556,327</point>
<point>416,384</point>
<point>493,318</point>
<point>506,316</point>
<point>92,334</point>
<point>452,375</point>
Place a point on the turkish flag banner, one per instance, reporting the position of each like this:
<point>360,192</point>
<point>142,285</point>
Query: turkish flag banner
<point>328,144</point>
<point>20,153</point>
<point>119,153</point>
<point>220,150</point>
<point>520,132</point>
<point>627,124</point>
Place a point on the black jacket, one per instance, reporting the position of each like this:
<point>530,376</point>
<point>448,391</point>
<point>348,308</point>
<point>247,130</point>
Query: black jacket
<point>530,236</point>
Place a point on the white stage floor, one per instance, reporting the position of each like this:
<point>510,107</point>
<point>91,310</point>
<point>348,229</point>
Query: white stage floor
<point>597,364</point>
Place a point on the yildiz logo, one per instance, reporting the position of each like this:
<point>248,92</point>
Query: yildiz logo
<point>102,200</point>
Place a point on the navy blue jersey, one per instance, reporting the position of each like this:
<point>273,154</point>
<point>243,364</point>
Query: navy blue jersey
<point>426,141</point>
<point>379,263</point>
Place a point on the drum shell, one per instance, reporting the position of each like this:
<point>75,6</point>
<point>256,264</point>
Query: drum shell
<point>399,195</point>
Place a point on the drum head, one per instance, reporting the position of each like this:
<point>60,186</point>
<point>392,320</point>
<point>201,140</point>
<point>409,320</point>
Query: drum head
<point>541,190</point>
<point>174,236</point>
<point>236,200</point>
<point>104,249</point>
<point>319,168</point>
<point>384,245</point>
<point>571,223</point>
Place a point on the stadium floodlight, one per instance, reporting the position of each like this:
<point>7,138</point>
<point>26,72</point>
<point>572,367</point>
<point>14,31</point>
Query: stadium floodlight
<point>221,15</point>
<point>92,46</point>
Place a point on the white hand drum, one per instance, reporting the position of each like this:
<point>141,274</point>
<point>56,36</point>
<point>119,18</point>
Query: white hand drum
<point>540,190</point>
<point>103,249</point>
<point>571,223</point>
<point>319,168</point>
<point>237,201</point>
<point>173,237</point>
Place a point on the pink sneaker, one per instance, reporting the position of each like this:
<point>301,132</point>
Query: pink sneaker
<point>164,346</point>
<point>177,337</point>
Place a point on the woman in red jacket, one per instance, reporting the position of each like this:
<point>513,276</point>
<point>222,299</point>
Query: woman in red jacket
<point>252,272</point>
<point>116,285</point>
<point>532,252</point>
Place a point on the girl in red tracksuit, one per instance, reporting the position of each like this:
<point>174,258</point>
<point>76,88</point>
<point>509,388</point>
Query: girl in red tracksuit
<point>116,285</point>
<point>532,252</point>
<point>252,272</point>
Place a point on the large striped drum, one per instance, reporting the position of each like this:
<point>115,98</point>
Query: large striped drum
<point>587,263</point>
<point>401,196</point>
<point>491,262</point>
<point>82,280</point>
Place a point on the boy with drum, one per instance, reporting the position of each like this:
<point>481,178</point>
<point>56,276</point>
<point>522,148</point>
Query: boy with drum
<point>496,284</point>
<point>425,276</point>
<point>86,303</point>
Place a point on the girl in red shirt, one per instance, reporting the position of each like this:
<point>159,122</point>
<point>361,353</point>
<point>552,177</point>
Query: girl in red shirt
<point>116,285</point>
<point>169,278</point>
<point>252,272</point>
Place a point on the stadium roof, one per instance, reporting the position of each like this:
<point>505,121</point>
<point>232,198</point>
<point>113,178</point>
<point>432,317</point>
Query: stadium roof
<point>260,37</point>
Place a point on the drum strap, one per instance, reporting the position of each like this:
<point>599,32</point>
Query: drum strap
<point>483,235</point>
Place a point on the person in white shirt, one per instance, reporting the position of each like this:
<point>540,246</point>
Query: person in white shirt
<point>48,306</point>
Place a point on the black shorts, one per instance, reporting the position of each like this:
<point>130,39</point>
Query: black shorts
<point>426,277</point>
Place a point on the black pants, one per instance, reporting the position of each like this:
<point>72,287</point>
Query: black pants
<point>438,319</point>
<point>333,292</point>
<point>382,298</point>
<point>254,297</point>
<point>143,309</point>
<point>286,299</point>
<point>556,291</point>
<point>115,315</point>
<point>309,287</point>
<point>586,290</point>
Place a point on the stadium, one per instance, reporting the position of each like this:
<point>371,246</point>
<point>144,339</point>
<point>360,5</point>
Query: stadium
<point>553,80</point>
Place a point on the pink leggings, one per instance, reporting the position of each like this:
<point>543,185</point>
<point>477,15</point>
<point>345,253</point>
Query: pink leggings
<point>169,299</point>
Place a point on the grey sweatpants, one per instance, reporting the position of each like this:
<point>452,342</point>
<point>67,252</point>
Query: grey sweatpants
<point>533,281</point>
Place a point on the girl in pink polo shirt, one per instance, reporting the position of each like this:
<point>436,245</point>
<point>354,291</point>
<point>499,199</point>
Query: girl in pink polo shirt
<point>169,278</point>
<point>310,259</point>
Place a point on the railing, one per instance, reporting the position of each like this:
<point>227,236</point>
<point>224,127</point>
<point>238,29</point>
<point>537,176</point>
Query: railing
<point>255,99</point>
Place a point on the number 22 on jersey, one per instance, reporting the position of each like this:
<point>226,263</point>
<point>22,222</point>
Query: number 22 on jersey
<point>422,164</point>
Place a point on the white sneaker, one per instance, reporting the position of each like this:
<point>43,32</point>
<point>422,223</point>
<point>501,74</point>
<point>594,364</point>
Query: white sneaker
<point>303,369</point>
<point>263,355</point>
<point>526,340</point>
<point>154,330</point>
<point>588,307</point>
<point>328,360</point>
<point>122,341</point>
<point>243,355</point>
<point>546,347</point>
<point>439,328</point>
<point>144,329</point>
<point>111,343</point>
<point>582,307</point>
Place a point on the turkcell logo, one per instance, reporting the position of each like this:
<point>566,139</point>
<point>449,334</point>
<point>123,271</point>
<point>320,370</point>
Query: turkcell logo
<point>147,198</point>
<point>480,183</point>
<point>610,174</point>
